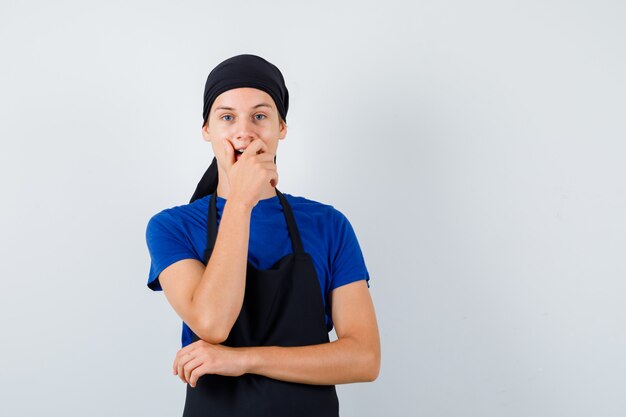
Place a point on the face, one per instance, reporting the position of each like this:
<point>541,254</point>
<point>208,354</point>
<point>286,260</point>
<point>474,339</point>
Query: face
<point>240,116</point>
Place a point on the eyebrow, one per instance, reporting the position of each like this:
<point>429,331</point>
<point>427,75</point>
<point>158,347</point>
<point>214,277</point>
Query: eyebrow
<point>231,109</point>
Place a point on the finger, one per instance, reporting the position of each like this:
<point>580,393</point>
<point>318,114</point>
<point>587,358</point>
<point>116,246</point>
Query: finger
<point>265,157</point>
<point>229,155</point>
<point>270,172</point>
<point>177,357</point>
<point>190,366</point>
<point>254,147</point>
<point>181,365</point>
<point>196,374</point>
<point>268,165</point>
<point>274,180</point>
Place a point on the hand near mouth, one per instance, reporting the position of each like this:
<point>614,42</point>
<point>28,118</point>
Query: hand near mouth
<point>250,172</point>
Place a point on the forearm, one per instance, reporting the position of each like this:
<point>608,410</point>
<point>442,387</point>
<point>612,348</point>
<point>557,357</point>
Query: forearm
<point>338,362</point>
<point>218,298</point>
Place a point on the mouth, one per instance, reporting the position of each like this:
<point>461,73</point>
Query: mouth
<point>239,152</point>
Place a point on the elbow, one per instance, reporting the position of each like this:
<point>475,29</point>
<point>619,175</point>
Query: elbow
<point>366,362</point>
<point>373,368</point>
<point>213,338</point>
<point>371,365</point>
<point>211,333</point>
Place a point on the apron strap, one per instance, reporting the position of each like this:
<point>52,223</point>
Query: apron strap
<point>296,241</point>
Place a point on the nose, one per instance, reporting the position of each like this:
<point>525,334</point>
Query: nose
<point>244,132</point>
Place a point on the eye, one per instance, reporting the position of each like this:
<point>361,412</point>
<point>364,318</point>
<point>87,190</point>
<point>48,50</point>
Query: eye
<point>226,115</point>
<point>262,116</point>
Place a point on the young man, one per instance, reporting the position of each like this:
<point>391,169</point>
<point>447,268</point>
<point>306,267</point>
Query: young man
<point>259,294</point>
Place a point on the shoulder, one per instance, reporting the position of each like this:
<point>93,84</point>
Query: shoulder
<point>344,255</point>
<point>171,235</point>
<point>316,210</point>
<point>328,222</point>
<point>181,217</point>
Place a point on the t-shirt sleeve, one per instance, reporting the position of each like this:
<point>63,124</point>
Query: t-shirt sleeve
<point>346,259</point>
<point>167,243</point>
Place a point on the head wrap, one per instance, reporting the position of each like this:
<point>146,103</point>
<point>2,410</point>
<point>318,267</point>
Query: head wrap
<point>244,70</point>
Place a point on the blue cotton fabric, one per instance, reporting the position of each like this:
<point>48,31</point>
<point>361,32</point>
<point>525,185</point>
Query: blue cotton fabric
<point>180,233</point>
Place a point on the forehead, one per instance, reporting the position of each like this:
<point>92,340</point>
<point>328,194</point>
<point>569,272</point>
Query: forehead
<point>243,98</point>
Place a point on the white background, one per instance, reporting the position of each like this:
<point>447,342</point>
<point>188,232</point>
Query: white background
<point>476,147</point>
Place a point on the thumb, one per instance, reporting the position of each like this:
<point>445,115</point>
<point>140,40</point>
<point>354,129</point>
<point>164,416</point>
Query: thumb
<point>229,154</point>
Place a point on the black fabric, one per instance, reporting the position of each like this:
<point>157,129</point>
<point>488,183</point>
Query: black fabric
<point>245,70</point>
<point>282,306</point>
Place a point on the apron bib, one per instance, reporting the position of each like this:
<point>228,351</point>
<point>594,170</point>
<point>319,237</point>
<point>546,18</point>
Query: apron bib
<point>282,306</point>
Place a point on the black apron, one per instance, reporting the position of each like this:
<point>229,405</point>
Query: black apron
<point>282,306</point>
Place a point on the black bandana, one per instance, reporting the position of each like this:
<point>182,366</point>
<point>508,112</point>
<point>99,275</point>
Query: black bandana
<point>240,71</point>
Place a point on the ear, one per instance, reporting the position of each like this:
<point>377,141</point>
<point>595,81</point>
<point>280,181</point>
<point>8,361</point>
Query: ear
<point>205,132</point>
<point>282,129</point>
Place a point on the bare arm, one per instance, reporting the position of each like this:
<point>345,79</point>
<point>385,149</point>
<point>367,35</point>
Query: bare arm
<point>209,299</point>
<point>353,357</point>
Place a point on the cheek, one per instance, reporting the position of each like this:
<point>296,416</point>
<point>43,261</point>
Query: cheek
<point>218,143</point>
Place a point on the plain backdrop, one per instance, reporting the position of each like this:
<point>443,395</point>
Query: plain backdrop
<point>477,148</point>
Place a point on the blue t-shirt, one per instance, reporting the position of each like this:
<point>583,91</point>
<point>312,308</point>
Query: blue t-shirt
<point>180,233</point>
